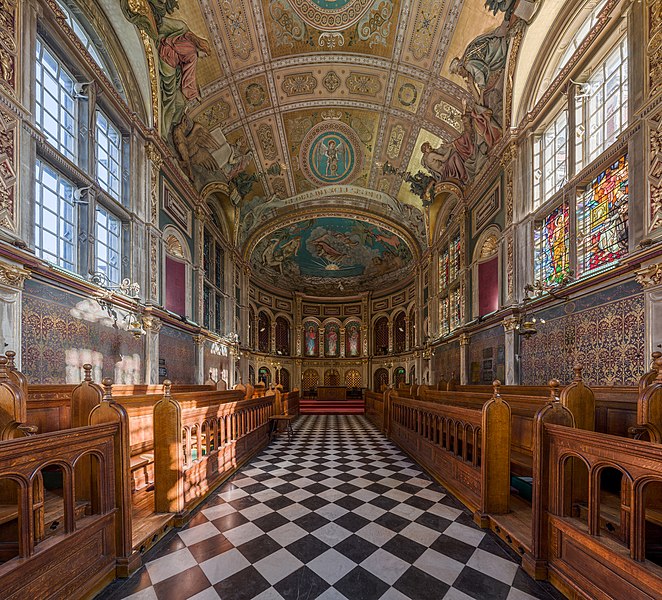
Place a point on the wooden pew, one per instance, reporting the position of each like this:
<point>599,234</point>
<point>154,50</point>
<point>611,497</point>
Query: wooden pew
<point>57,543</point>
<point>199,444</point>
<point>374,408</point>
<point>468,449</point>
<point>649,407</point>
<point>13,405</point>
<point>594,544</point>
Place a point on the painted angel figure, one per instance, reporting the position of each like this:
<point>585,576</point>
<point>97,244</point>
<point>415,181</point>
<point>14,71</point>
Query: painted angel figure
<point>335,157</point>
<point>238,160</point>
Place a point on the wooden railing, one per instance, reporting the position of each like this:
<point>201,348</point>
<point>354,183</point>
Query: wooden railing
<point>63,538</point>
<point>374,408</point>
<point>198,444</point>
<point>467,449</point>
<point>593,544</point>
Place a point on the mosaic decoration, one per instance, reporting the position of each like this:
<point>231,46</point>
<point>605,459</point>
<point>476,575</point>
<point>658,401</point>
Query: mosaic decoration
<point>298,84</point>
<point>330,15</point>
<point>603,332</point>
<point>550,240</point>
<point>331,153</point>
<point>602,218</point>
<point>331,81</point>
<point>363,84</point>
<point>328,254</point>
<point>395,141</point>
<point>311,330</point>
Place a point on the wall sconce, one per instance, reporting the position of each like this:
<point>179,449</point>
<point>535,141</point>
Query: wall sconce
<point>132,320</point>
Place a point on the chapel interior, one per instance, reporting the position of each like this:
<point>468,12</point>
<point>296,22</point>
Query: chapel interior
<point>336,299</point>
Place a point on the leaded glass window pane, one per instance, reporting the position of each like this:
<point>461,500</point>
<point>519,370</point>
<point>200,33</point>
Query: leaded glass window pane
<point>602,218</point>
<point>108,245</point>
<point>109,156</point>
<point>55,217</point>
<point>550,159</point>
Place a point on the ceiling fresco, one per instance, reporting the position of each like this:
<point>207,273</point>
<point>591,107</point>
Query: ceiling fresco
<point>329,255</point>
<point>285,104</point>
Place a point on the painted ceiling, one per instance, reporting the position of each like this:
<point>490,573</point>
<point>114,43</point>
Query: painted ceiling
<point>331,255</point>
<point>295,104</point>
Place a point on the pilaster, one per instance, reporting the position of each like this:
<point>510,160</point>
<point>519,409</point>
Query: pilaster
<point>12,279</point>
<point>464,358</point>
<point>152,327</point>
<point>511,343</point>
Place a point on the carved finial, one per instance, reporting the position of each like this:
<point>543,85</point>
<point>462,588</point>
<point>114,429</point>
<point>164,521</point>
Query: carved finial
<point>167,387</point>
<point>655,356</point>
<point>496,384</point>
<point>87,367</point>
<point>577,369</point>
<point>657,366</point>
<point>107,383</point>
<point>554,385</point>
<point>11,355</point>
<point>3,367</point>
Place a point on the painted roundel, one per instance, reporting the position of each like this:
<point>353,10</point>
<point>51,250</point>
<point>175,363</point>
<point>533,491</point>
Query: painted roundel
<point>331,154</point>
<point>331,15</point>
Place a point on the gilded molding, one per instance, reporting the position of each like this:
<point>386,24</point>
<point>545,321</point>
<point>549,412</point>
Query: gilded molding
<point>510,323</point>
<point>649,276</point>
<point>153,78</point>
<point>13,276</point>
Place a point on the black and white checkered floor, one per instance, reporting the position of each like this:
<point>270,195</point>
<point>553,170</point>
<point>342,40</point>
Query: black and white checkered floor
<point>339,513</point>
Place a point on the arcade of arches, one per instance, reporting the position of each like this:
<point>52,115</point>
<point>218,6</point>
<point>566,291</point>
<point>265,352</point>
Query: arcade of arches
<point>234,204</point>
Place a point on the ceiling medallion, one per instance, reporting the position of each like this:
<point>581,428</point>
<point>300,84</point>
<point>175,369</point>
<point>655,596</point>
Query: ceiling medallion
<point>331,153</point>
<point>331,15</point>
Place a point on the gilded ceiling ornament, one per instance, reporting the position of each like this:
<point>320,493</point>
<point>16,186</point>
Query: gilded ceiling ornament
<point>375,26</point>
<point>363,83</point>
<point>265,135</point>
<point>331,39</point>
<point>360,125</point>
<point>330,15</point>
<point>425,27</point>
<point>331,81</point>
<point>449,115</point>
<point>237,27</point>
<point>215,115</point>
<point>289,27</point>
<point>395,141</point>
<point>299,84</point>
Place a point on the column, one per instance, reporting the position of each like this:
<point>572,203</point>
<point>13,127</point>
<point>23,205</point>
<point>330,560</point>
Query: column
<point>199,341</point>
<point>407,345</point>
<point>152,326</point>
<point>650,278</point>
<point>272,339</point>
<point>342,341</point>
<point>12,279</point>
<point>390,335</point>
<point>511,343</point>
<point>464,358</point>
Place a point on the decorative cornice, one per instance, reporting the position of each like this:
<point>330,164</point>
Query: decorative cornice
<point>649,276</point>
<point>13,276</point>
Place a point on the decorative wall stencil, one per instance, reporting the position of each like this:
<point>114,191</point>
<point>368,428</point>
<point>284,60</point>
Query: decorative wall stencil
<point>298,84</point>
<point>236,27</point>
<point>177,349</point>
<point>363,83</point>
<point>331,153</point>
<point>395,141</point>
<point>603,332</point>
<point>331,81</point>
<point>265,135</point>
<point>375,26</point>
<point>487,356</point>
<point>327,254</point>
<point>330,15</point>
<point>425,27</point>
<point>487,206</point>
<point>180,212</point>
<point>449,115</point>
<point>446,361</point>
<point>289,27</point>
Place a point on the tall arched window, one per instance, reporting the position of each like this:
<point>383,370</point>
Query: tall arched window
<point>263,332</point>
<point>380,335</point>
<point>214,285</point>
<point>282,336</point>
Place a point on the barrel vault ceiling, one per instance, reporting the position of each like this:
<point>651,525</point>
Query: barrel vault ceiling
<point>311,98</point>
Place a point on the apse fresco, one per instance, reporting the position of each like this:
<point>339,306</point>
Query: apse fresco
<point>330,254</point>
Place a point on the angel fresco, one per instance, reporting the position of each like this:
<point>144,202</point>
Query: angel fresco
<point>194,145</point>
<point>333,154</point>
<point>178,49</point>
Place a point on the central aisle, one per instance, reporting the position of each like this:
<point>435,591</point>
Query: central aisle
<point>339,513</point>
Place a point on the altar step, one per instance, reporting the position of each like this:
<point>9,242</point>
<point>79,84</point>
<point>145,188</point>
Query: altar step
<point>331,407</point>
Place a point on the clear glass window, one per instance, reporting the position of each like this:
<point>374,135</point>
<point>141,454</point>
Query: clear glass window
<point>550,159</point>
<point>108,245</point>
<point>109,156</point>
<point>55,102</point>
<point>55,217</point>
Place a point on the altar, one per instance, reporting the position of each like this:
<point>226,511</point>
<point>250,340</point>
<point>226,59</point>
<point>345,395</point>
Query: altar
<point>332,392</point>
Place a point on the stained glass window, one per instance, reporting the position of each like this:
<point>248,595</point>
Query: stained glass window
<point>602,218</point>
<point>312,338</point>
<point>443,316</point>
<point>551,247</point>
<point>455,309</point>
<point>455,253</point>
<point>443,269</point>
